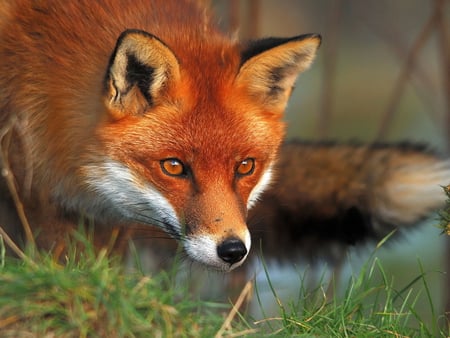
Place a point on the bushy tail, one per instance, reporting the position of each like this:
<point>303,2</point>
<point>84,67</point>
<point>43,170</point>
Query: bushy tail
<point>411,192</point>
<point>329,194</point>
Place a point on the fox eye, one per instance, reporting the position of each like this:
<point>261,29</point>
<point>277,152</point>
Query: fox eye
<point>246,167</point>
<point>173,167</point>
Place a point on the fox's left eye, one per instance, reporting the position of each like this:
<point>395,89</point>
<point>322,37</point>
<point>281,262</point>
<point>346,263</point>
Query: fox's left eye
<point>246,167</point>
<point>173,167</point>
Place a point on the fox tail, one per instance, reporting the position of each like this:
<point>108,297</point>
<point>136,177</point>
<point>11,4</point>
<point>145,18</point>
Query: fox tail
<point>329,195</point>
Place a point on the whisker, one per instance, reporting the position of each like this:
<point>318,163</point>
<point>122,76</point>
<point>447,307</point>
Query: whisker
<point>164,225</point>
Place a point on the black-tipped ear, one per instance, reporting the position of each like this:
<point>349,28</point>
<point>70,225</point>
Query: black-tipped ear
<point>141,67</point>
<point>269,67</point>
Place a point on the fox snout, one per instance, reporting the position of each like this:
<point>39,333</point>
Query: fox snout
<point>215,230</point>
<point>222,254</point>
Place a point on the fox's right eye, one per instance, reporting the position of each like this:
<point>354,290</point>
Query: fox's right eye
<point>173,167</point>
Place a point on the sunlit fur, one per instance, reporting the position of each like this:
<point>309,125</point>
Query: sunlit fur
<point>95,94</point>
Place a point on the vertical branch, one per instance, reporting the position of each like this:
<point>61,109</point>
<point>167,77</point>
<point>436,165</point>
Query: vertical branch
<point>444,41</point>
<point>249,28</point>
<point>253,18</point>
<point>329,69</point>
<point>404,74</point>
<point>5,134</point>
<point>234,15</point>
<point>13,246</point>
<point>423,86</point>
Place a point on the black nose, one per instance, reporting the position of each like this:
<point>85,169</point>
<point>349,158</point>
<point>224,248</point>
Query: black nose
<point>231,250</point>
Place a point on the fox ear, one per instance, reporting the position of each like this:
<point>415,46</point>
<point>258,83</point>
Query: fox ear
<point>140,68</point>
<point>269,67</point>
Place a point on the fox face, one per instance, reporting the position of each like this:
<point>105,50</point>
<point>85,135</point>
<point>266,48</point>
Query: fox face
<point>171,124</point>
<point>192,152</point>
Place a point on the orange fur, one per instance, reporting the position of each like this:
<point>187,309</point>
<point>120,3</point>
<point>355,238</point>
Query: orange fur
<point>100,92</point>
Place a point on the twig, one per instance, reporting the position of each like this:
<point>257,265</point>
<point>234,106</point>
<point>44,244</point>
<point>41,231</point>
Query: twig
<point>249,27</point>
<point>423,85</point>
<point>13,246</point>
<point>5,133</point>
<point>329,69</point>
<point>233,20</point>
<point>253,18</point>
<point>244,295</point>
<point>444,41</point>
<point>406,70</point>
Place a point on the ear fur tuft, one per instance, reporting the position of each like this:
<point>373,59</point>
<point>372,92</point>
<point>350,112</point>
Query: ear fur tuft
<point>140,68</point>
<point>270,67</point>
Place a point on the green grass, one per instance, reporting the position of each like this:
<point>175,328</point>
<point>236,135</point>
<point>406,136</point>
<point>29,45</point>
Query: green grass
<point>370,306</point>
<point>92,295</point>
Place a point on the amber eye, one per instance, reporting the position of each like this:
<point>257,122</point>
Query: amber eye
<point>173,167</point>
<point>246,167</point>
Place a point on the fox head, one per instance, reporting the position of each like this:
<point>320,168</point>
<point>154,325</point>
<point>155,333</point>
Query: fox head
<point>191,134</point>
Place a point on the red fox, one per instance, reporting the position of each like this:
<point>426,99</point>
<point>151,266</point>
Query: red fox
<point>141,112</point>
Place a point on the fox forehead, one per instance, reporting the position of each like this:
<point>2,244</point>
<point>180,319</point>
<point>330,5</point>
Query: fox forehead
<point>205,130</point>
<point>214,129</point>
<point>215,146</point>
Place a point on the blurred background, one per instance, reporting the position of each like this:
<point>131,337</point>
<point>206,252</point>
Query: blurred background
<point>366,48</point>
<point>382,73</point>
